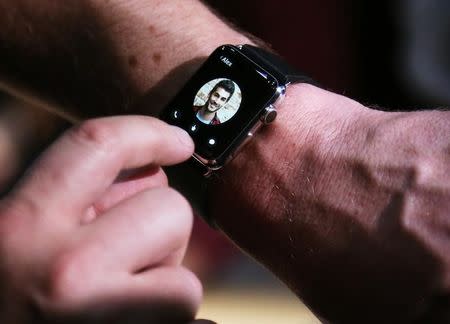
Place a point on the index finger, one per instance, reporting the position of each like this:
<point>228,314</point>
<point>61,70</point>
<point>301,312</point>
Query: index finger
<point>80,165</point>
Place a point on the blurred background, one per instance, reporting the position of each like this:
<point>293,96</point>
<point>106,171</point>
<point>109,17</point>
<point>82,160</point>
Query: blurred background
<point>392,55</point>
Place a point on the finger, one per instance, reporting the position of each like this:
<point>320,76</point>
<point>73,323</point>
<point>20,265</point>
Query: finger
<point>162,295</point>
<point>128,185</point>
<point>146,230</point>
<point>85,161</point>
<point>174,294</point>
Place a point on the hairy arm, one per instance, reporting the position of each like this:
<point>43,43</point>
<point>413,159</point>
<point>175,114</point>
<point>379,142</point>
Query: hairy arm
<point>348,206</point>
<point>94,57</point>
<point>352,210</point>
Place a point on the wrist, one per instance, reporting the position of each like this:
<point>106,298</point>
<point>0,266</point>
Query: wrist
<point>290,159</point>
<point>289,198</point>
<point>323,188</point>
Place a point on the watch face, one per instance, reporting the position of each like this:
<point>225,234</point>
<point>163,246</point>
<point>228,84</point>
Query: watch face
<point>221,103</point>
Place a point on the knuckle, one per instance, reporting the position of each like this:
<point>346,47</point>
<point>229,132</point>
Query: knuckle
<point>177,208</point>
<point>188,288</point>
<point>193,284</point>
<point>95,132</point>
<point>67,279</point>
<point>182,218</point>
<point>170,214</point>
<point>178,202</point>
<point>161,179</point>
<point>16,216</point>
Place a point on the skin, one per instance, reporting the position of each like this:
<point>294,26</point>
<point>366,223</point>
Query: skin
<point>348,206</point>
<point>53,229</point>
<point>218,99</point>
<point>359,213</point>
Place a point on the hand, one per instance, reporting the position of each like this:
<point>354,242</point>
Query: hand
<point>80,244</point>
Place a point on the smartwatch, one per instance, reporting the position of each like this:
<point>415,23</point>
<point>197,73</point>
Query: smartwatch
<point>234,93</point>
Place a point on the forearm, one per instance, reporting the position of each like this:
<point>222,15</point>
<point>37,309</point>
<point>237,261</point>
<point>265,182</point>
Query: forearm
<point>93,57</point>
<point>349,206</point>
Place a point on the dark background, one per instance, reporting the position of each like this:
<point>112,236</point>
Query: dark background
<point>350,47</point>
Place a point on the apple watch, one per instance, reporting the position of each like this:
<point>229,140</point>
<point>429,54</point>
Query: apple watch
<point>234,93</point>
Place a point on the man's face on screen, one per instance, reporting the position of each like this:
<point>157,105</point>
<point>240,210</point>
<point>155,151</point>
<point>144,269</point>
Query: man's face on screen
<point>217,99</point>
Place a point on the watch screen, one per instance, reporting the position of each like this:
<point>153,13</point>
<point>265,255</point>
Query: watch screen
<point>222,102</point>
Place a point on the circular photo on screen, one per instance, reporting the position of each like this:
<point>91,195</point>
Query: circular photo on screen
<point>217,101</point>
